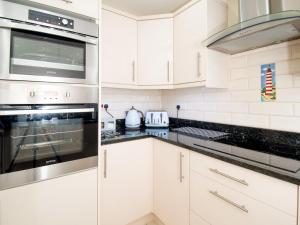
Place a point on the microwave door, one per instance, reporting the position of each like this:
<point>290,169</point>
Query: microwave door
<point>45,54</point>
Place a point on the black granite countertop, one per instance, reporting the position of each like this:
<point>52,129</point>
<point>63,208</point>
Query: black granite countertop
<point>275,159</point>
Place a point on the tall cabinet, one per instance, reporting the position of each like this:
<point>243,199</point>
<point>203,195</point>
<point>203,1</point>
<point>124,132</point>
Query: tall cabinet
<point>119,49</point>
<point>155,52</point>
<point>171,183</point>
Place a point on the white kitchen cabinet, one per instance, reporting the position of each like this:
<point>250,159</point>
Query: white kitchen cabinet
<point>220,205</point>
<point>126,182</point>
<point>255,185</point>
<point>171,183</point>
<point>90,8</point>
<point>67,200</point>
<point>155,52</point>
<point>119,50</point>
<point>193,62</point>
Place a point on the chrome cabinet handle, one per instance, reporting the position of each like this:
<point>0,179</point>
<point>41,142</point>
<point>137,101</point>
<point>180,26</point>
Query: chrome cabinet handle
<point>181,176</point>
<point>168,69</point>
<point>67,1</point>
<point>133,71</point>
<point>105,164</point>
<point>241,207</point>
<point>229,177</point>
<point>198,64</point>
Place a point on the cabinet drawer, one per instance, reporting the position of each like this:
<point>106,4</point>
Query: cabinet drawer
<point>196,220</point>
<point>258,186</point>
<point>222,205</point>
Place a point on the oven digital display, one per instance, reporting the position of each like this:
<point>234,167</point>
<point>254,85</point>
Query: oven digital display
<point>51,19</point>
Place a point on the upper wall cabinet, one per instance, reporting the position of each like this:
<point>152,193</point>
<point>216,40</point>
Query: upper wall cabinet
<point>119,49</point>
<point>155,52</point>
<point>89,8</point>
<point>194,63</point>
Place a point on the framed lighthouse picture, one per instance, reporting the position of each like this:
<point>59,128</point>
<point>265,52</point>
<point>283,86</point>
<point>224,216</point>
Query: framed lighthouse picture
<point>268,82</point>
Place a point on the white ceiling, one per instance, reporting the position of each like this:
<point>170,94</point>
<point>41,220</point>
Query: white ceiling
<point>145,7</point>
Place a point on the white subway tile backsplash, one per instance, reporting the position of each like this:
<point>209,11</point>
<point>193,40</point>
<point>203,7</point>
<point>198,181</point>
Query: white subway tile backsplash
<point>241,84</point>
<point>284,81</point>
<point>250,120</point>
<point>254,83</point>
<point>288,95</point>
<point>244,72</point>
<point>245,96</point>
<point>273,55</point>
<point>217,117</point>
<point>233,107</point>
<point>271,108</point>
<point>297,109</point>
<point>285,123</point>
<point>121,100</point>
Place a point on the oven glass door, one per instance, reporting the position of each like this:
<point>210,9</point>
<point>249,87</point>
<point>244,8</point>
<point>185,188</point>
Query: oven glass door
<point>38,139</point>
<point>39,54</point>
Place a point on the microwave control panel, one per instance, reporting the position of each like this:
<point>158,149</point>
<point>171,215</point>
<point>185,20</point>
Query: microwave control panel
<point>51,19</point>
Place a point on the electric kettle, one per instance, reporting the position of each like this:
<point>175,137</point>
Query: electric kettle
<point>133,119</point>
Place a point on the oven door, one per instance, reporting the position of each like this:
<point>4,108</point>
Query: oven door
<point>42,136</point>
<point>36,53</point>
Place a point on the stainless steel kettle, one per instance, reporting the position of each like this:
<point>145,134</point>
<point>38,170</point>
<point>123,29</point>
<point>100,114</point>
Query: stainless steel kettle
<point>133,119</point>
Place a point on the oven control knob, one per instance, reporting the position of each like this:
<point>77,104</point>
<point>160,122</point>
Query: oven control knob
<point>65,21</point>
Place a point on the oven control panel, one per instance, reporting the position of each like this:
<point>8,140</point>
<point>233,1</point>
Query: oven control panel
<point>51,19</point>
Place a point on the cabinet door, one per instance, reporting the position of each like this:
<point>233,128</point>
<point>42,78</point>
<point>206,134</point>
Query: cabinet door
<point>66,200</point>
<point>171,183</point>
<point>189,28</point>
<point>155,52</point>
<point>119,49</point>
<point>127,182</point>
<point>90,8</point>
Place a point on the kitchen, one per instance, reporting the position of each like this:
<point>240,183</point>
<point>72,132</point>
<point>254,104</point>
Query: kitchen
<point>127,112</point>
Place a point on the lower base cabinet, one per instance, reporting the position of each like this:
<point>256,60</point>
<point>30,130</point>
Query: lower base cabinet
<point>182,187</point>
<point>126,182</point>
<point>68,200</point>
<point>221,205</point>
<point>171,183</point>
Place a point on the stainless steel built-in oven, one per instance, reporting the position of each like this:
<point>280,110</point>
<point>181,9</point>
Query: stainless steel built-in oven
<point>38,45</point>
<point>44,141</point>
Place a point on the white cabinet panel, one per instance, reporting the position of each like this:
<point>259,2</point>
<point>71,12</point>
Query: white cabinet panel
<point>127,182</point>
<point>90,8</point>
<point>155,52</point>
<point>193,62</point>
<point>189,27</point>
<point>171,183</point>
<point>220,205</point>
<point>119,49</point>
<point>66,200</point>
<point>258,186</point>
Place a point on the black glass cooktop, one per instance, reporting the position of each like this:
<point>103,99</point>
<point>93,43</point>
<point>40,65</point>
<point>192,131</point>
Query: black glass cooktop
<point>280,156</point>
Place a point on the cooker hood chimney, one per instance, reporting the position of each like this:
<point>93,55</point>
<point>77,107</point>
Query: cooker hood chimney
<point>262,23</point>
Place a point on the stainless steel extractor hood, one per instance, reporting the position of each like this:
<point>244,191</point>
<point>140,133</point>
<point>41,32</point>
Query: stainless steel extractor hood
<point>262,23</point>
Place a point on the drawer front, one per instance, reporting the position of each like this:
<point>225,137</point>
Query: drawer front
<point>221,205</point>
<point>196,220</point>
<point>274,192</point>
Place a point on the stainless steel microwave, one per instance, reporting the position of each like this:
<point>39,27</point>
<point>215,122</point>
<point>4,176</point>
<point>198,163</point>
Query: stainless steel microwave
<point>39,45</point>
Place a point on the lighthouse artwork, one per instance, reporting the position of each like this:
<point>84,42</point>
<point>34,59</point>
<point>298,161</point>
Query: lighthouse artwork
<point>268,83</point>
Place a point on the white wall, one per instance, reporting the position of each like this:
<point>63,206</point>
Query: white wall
<point>121,100</point>
<point>240,104</point>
